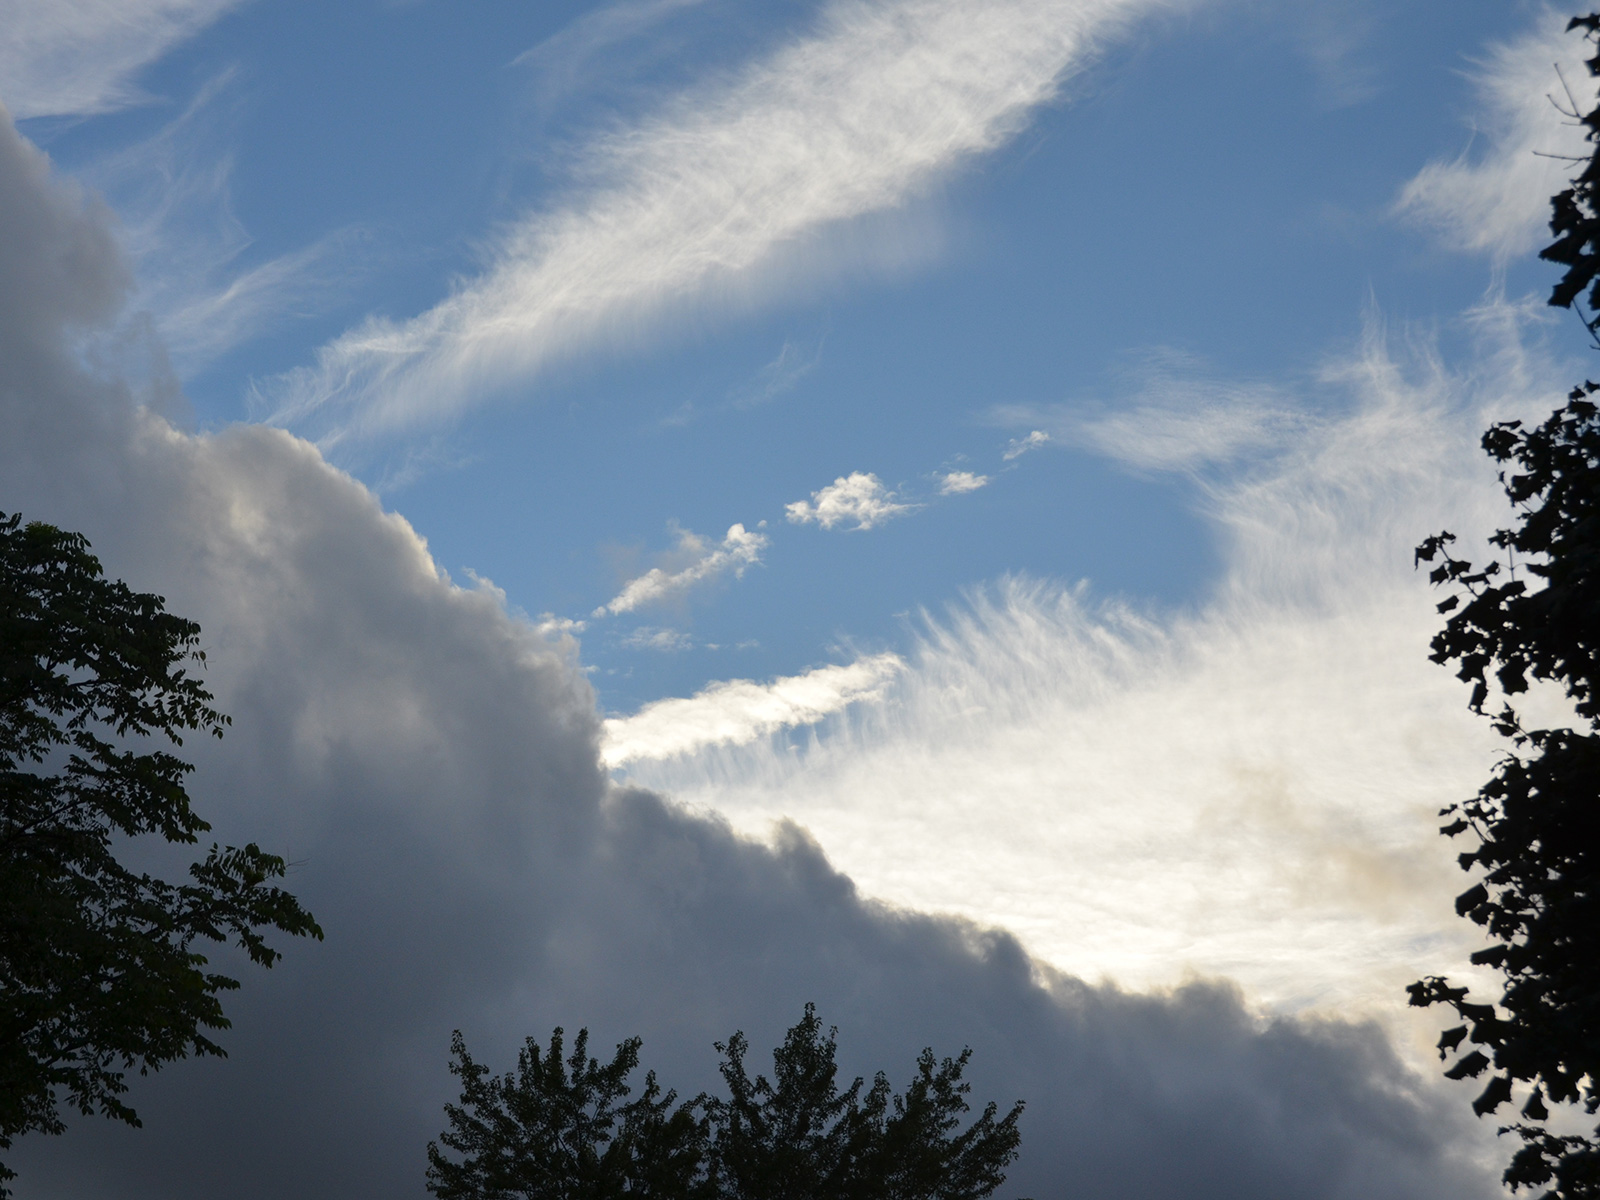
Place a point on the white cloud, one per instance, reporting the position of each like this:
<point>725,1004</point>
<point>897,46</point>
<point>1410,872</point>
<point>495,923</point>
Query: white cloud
<point>739,711</point>
<point>430,764</point>
<point>859,498</point>
<point>858,118</point>
<point>1017,447</point>
<point>738,550</point>
<point>79,57</point>
<point>956,482</point>
<point>1498,201</point>
<point>1246,788</point>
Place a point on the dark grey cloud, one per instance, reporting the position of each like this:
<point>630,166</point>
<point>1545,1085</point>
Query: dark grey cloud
<point>432,766</point>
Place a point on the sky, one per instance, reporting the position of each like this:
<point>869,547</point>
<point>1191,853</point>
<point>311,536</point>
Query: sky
<point>699,507</point>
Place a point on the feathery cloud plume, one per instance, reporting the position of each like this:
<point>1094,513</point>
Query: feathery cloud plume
<point>859,497</point>
<point>857,118</point>
<point>79,58</point>
<point>1499,202</point>
<point>738,550</point>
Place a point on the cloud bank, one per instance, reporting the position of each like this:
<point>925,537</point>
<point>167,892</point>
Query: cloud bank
<point>859,117</point>
<point>432,765</point>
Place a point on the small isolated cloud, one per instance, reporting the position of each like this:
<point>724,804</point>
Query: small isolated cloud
<point>956,482</point>
<point>647,637</point>
<point>859,497</point>
<point>1020,446</point>
<point>792,364</point>
<point>738,711</point>
<point>1498,200</point>
<point>740,548</point>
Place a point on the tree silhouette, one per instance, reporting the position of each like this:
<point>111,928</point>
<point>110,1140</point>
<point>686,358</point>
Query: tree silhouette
<point>561,1130</point>
<point>1536,822</point>
<point>99,972</point>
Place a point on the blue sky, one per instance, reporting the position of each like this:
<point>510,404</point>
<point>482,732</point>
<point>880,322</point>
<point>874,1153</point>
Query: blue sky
<point>1211,194</point>
<point>919,487</point>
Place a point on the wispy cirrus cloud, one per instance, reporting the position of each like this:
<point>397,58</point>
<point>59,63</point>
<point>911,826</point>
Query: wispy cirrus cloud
<point>859,117</point>
<point>1499,200</point>
<point>856,501</point>
<point>739,711</point>
<point>703,561</point>
<point>198,281</point>
<point>79,57</point>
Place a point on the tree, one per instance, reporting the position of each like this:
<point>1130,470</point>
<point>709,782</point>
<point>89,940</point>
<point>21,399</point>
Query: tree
<point>541,1133</point>
<point>1536,822</point>
<point>99,971</point>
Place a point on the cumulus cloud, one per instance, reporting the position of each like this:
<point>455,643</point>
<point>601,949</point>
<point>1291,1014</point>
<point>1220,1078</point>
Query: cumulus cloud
<point>858,117</point>
<point>431,764</point>
<point>1498,200</point>
<point>1017,447</point>
<point>953,483</point>
<point>739,711</point>
<point>647,637</point>
<point>80,58</point>
<point>1247,788</point>
<point>858,498</point>
<point>739,549</point>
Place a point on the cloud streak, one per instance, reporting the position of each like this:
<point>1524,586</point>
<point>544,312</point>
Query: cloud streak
<point>739,711</point>
<point>859,117</point>
<point>739,549</point>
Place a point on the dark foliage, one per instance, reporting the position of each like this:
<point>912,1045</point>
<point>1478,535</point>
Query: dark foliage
<point>562,1131</point>
<point>98,969</point>
<point>1536,822</point>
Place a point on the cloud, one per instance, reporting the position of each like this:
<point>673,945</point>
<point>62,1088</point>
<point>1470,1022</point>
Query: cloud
<point>739,711</point>
<point>431,764</point>
<point>792,364</point>
<point>191,254</point>
<point>859,117</point>
<point>647,637</point>
<point>1498,202</point>
<point>739,549</point>
<point>1247,787</point>
<point>956,482</point>
<point>1017,447</point>
<point>1170,419</point>
<point>859,497</point>
<point>79,58</point>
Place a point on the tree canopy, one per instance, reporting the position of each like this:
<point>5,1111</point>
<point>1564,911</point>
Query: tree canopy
<point>1535,823</point>
<point>99,970</point>
<point>561,1129</point>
